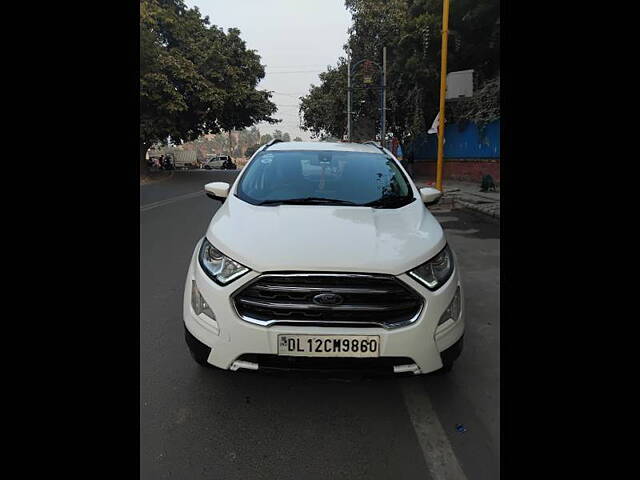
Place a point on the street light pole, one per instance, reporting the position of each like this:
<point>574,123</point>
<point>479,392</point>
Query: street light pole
<point>384,97</point>
<point>443,90</point>
<point>349,100</point>
<point>368,79</point>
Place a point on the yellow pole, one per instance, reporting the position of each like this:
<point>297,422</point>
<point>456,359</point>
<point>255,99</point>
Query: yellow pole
<point>443,90</point>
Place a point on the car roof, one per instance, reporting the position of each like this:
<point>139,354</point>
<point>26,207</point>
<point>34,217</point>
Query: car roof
<point>332,146</point>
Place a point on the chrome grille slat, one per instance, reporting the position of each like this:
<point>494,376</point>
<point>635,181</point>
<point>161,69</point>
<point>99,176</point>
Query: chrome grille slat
<point>367,300</point>
<point>287,288</point>
<point>306,306</point>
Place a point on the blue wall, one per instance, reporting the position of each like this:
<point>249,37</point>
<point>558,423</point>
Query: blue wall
<point>461,144</point>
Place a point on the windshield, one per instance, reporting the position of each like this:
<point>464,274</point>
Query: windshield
<point>324,177</point>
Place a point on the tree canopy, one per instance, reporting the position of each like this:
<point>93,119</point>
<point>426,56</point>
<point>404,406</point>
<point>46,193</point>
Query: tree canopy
<point>410,29</point>
<point>324,107</point>
<point>194,77</point>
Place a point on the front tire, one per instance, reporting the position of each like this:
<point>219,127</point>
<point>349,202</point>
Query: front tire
<point>199,351</point>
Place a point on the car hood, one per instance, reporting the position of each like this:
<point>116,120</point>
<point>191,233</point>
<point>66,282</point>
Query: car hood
<point>326,238</point>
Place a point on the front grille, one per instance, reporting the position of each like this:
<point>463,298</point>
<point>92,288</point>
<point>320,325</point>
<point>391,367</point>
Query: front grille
<point>367,300</point>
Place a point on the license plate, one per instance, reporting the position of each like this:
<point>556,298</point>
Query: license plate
<point>329,345</point>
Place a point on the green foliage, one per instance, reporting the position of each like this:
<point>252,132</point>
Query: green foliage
<point>410,29</point>
<point>251,150</point>
<point>194,77</point>
<point>324,108</point>
<point>481,109</point>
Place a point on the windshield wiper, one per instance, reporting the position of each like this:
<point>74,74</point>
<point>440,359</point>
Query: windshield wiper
<point>307,201</point>
<point>389,202</point>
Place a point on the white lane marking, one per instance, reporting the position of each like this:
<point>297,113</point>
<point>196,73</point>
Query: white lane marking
<point>436,448</point>
<point>161,203</point>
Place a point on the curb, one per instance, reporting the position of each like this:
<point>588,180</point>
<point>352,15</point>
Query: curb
<point>473,208</point>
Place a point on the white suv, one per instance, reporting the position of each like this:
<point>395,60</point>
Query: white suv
<point>323,256</point>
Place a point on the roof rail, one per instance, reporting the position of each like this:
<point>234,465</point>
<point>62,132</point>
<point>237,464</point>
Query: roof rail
<point>272,142</point>
<point>375,144</point>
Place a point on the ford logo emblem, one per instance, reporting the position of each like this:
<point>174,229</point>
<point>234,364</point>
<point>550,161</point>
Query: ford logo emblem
<point>327,299</point>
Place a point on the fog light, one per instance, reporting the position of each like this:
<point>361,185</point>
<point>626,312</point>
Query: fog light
<point>453,310</point>
<point>198,304</point>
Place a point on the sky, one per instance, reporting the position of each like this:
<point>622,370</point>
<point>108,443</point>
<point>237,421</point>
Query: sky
<point>296,40</point>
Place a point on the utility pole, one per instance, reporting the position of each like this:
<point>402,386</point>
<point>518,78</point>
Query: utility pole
<point>368,79</point>
<point>384,96</point>
<point>349,99</point>
<point>443,90</point>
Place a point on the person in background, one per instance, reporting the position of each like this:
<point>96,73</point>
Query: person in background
<point>410,160</point>
<point>398,155</point>
<point>394,146</point>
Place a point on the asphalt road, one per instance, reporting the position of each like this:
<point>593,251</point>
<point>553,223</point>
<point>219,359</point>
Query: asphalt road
<point>200,423</point>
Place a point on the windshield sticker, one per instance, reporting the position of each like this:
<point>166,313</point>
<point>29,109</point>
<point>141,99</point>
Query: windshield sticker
<point>266,159</point>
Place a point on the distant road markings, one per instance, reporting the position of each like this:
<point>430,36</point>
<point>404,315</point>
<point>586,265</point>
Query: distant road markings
<point>436,448</point>
<point>161,203</point>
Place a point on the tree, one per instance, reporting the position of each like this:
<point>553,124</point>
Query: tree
<point>194,78</point>
<point>410,29</point>
<point>246,140</point>
<point>297,139</point>
<point>324,107</point>
<point>481,109</point>
<point>251,150</point>
<point>254,136</point>
<point>286,137</point>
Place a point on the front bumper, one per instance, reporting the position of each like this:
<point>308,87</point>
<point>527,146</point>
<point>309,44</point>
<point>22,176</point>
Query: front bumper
<point>230,338</point>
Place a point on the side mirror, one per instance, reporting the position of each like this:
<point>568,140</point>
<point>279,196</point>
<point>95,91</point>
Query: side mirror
<point>217,190</point>
<point>430,196</point>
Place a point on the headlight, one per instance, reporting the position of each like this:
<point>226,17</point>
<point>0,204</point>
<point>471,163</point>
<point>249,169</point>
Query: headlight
<point>434,273</point>
<point>219,267</point>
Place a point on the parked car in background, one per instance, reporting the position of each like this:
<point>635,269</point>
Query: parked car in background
<point>219,161</point>
<point>210,161</point>
<point>339,265</point>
